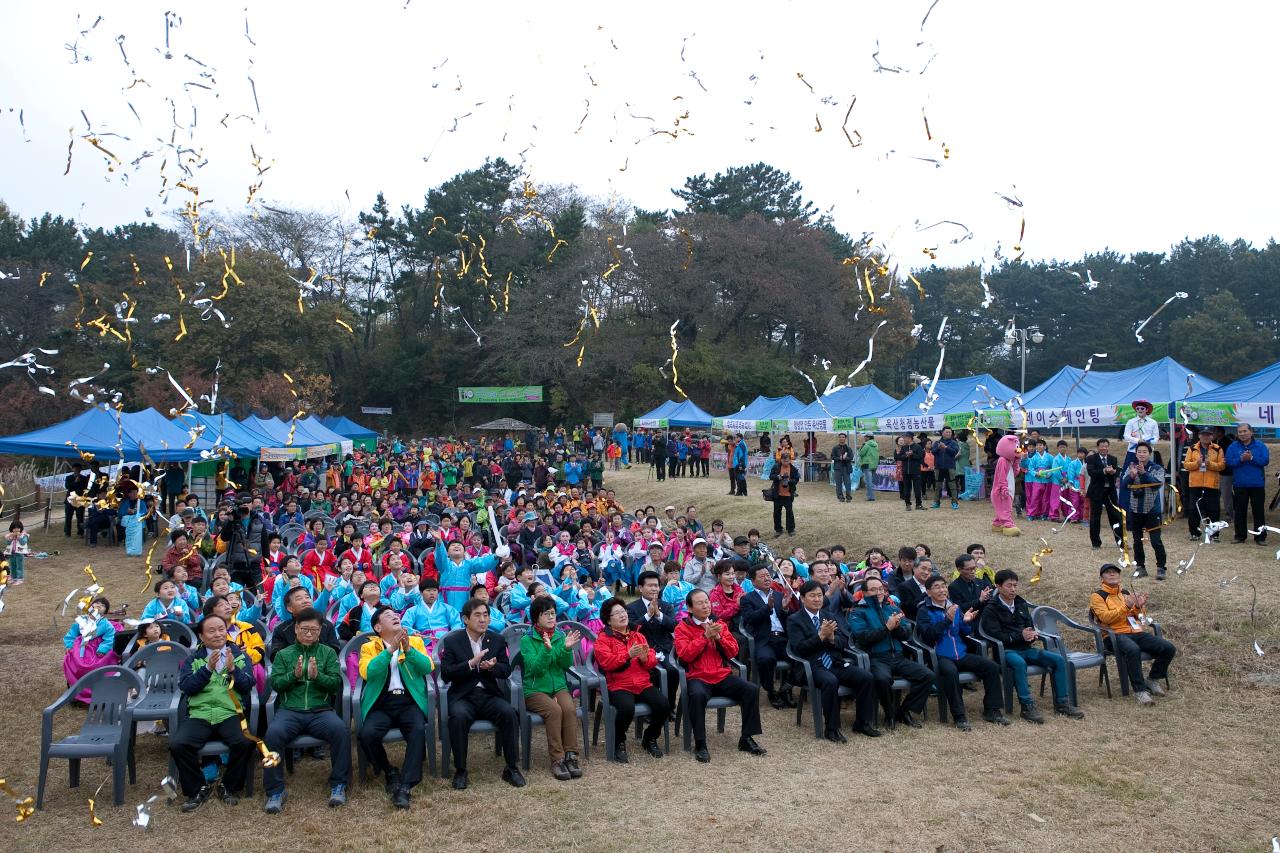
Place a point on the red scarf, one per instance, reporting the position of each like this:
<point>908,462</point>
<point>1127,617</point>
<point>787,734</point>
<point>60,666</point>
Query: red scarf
<point>546,636</point>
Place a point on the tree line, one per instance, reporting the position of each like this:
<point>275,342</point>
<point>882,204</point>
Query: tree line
<point>494,281</point>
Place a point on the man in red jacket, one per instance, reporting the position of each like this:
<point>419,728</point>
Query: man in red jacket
<point>704,647</point>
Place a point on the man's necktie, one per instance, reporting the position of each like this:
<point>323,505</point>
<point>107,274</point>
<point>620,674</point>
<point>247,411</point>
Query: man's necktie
<point>824,658</point>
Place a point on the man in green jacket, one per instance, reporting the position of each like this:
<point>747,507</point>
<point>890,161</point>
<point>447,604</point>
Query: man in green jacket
<point>868,461</point>
<point>306,679</point>
<point>394,667</point>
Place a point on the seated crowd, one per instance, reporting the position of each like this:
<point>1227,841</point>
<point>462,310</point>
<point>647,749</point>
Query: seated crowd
<point>494,597</point>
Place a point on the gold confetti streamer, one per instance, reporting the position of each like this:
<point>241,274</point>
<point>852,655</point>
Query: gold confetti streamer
<point>86,260</point>
<point>26,807</point>
<point>182,328</point>
<point>1036,557</point>
<point>617,258</point>
<point>555,249</point>
<point>506,296</point>
<point>44,276</point>
<point>688,249</point>
<point>675,352</point>
<point>344,324</point>
<point>916,282</point>
<point>844,128</point>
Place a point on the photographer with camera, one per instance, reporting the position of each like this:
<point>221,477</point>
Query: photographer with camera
<point>240,539</point>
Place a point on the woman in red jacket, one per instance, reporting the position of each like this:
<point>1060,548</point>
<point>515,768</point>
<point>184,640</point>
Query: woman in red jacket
<point>627,662</point>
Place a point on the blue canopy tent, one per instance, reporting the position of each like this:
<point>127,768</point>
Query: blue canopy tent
<point>758,415</point>
<point>837,411</point>
<point>320,435</point>
<point>656,418</point>
<point>687,414</point>
<point>98,431</point>
<point>362,437</point>
<point>159,430</point>
<point>295,442</point>
<point>1070,398</point>
<point>1254,399</point>
<point>225,431</point>
<point>959,401</point>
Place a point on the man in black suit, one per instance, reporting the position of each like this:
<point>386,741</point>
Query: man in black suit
<point>473,662</point>
<point>819,636</point>
<point>656,620</point>
<point>912,591</point>
<point>764,614</point>
<point>1103,469</point>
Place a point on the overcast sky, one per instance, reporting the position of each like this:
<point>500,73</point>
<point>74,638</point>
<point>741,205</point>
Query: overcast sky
<point>1121,125</point>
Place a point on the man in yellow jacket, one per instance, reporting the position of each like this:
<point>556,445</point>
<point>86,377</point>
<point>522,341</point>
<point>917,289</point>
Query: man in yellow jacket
<point>1204,464</point>
<point>1121,611</point>
<point>394,666</point>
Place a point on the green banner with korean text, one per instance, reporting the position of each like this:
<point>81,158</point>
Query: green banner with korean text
<point>501,394</point>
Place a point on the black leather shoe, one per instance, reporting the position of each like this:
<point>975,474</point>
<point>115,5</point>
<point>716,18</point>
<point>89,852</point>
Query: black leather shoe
<point>197,800</point>
<point>620,755</point>
<point>906,718</point>
<point>393,781</point>
<point>703,756</point>
<point>963,725</point>
<point>513,777</point>
<point>230,798</point>
<point>460,780</point>
<point>996,717</point>
<point>748,744</point>
<point>788,701</point>
<point>775,700</point>
<point>867,730</point>
<point>401,798</point>
<point>651,747</point>
<point>836,736</point>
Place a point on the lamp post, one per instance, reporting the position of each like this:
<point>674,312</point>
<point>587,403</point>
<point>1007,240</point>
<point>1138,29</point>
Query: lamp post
<point>1014,335</point>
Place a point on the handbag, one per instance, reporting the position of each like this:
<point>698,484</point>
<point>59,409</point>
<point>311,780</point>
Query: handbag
<point>767,494</point>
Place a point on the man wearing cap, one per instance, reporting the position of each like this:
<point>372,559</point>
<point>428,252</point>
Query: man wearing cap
<point>1141,427</point>
<point>1121,611</point>
<point>698,569</point>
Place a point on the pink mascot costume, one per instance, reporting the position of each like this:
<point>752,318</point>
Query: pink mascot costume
<point>1002,486</point>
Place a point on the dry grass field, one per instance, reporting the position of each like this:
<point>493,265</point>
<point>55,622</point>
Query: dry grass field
<point>1195,773</point>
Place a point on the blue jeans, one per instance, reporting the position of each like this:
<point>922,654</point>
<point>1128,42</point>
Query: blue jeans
<point>869,478</point>
<point>1053,662</point>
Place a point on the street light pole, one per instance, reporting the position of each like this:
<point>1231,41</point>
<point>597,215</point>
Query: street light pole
<point>1014,335</point>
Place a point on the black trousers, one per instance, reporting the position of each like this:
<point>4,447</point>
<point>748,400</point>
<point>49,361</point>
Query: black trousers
<point>396,712</point>
<point>323,725</point>
<point>828,683</point>
<point>706,467</point>
<point>1096,508</point>
<point>246,574</point>
<point>1146,523</point>
<point>69,511</point>
<point>1202,504</point>
<point>780,505</point>
<point>1247,497</point>
<point>1128,650</point>
<point>746,694</point>
<point>479,705</point>
<point>624,704</point>
<point>769,650</point>
<point>985,668</point>
<point>672,462</point>
<point>907,485</point>
<point>192,734</point>
<point>733,479</point>
<point>741,481</point>
<point>661,465</point>
<point>888,667</point>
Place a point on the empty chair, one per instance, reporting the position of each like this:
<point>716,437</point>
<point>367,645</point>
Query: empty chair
<point>158,664</point>
<point>107,730</point>
<point>1049,622</point>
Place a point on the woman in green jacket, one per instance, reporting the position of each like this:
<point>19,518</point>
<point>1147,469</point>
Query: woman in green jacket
<point>545,656</point>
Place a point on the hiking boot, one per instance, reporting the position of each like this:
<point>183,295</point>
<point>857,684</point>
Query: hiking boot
<point>1154,688</point>
<point>1066,709</point>
<point>275,803</point>
<point>559,771</point>
<point>1144,697</point>
<point>571,764</point>
<point>1031,713</point>
<point>955,505</point>
<point>775,700</point>
<point>651,747</point>
<point>1160,573</point>
<point>1140,572</point>
<point>337,796</point>
<point>936,505</point>
<point>230,798</point>
<point>963,725</point>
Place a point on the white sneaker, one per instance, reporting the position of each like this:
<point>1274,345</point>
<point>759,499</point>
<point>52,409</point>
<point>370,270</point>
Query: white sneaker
<point>1144,697</point>
<point>1155,688</point>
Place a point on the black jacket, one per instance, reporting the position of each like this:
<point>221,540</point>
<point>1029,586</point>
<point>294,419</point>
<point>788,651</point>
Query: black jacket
<point>911,457</point>
<point>658,633</point>
<point>1000,624</point>
<point>455,669</point>
<point>1101,485</point>
<point>754,613</point>
<point>842,456</point>
<point>910,595</point>
<point>806,643</point>
<point>967,595</point>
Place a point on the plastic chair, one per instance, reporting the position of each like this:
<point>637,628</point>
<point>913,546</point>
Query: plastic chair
<point>178,632</point>
<point>931,661</point>
<point>441,690</point>
<point>1006,674</point>
<point>1047,621</point>
<point>719,703</point>
<point>350,711</point>
<point>529,719</point>
<point>809,690</point>
<point>753,670</point>
<point>1108,649</point>
<point>206,576</point>
<point>898,685</point>
<point>216,747</point>
<point>105,733</point>
<point>158,665</point>
<point>303,741</point>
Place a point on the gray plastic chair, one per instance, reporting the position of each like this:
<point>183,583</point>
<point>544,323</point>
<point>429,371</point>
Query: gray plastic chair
<point>609,716</point>
<point>529,719</point>
<point>350,711</point>
<point>441,694</point>
<point>1048,622</point>
<point>1108,649</point>
<point>717,703</point>
<point>177,632</point>
<point>105,732</point>
<point>809,691</point>
<point>931,660</point>
<point>217,747</point>
<point>158,664</point>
